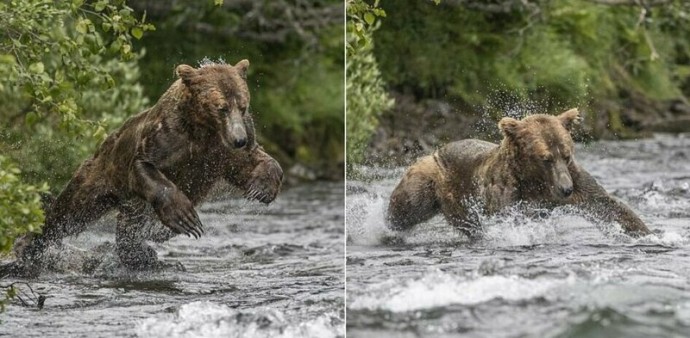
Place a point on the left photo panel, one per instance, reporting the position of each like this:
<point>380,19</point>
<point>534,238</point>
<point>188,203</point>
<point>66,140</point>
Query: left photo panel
<point>172,169</point>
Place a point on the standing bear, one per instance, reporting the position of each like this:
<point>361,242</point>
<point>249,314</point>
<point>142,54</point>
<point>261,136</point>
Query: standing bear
<point>534,164</point>
<point>163,162</point>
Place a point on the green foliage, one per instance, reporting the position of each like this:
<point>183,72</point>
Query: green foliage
<point>366,95</point>
<point>68,73</point>
<point>20,205</point>
<point>561,53</point>
<point>362,20</point>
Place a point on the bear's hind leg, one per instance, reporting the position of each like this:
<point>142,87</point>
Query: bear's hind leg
<point>133,222</point>
<point>414,199</point>
<point>85,199</point>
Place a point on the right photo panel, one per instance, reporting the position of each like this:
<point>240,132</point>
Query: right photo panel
<point>517,168</point>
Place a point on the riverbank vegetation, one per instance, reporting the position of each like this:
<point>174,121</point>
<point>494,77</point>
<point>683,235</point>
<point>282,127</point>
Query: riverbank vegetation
<point>455,67</point>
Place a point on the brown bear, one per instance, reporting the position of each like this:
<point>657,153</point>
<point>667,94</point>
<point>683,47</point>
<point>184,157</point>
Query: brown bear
<point>163,162</point>
<point>534,164</point>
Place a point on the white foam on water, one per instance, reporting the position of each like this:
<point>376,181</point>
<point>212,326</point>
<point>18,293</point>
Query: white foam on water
<point>208,319</point>
<point>440,289</point>
<point>667,238</point>
<point>514,228</point>
<point>663,202</point>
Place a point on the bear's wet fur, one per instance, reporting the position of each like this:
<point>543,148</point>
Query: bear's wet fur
<point>534,164</point>
<point>163,162</point>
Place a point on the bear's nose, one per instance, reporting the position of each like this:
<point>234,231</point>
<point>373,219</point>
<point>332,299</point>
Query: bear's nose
<point>567,191</point>
<point>239,143</point>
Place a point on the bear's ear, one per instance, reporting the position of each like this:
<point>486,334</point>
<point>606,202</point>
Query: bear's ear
<point>242,67</point>
<point>509,126</point>
<point>570,118</point>
<point>186,73</point>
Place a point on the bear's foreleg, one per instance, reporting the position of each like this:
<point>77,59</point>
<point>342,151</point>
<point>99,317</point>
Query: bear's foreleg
<point>171,205</point>
<point>258,175</point>
<point>414,199</point>
<point>592,197</point>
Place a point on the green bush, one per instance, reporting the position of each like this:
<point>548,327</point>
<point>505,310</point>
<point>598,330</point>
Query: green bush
<point>560,53</point>
<point>67,75</point>
<point>20,205</point>
<point>366,94</point>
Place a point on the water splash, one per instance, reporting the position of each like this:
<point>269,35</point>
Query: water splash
<point>366,219</point>
<point>206,61</point>
<point>514,226</point>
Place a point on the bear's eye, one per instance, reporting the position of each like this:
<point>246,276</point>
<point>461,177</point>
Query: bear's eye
<point>548,160</point>
<point>567,159</point>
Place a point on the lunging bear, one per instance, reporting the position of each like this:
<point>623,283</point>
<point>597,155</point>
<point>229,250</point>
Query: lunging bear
<point>533,164</point>
<point>163,162</point>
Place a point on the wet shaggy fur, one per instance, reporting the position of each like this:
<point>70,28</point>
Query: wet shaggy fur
<point>161,163</point>
<point>534,164</point>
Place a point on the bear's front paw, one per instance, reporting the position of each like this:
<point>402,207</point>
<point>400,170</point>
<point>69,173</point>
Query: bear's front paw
<point>177,213</point>
<point>265,182</point>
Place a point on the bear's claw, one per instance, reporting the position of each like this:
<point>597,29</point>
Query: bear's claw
<point>255,193</point>
<point>266,181</point>
<point>187,223</point>
<point>177,213</point>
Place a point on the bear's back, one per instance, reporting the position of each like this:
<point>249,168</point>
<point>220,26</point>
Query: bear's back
<point>464,155</point>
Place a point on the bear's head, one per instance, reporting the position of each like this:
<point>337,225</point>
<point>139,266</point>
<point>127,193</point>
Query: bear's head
<point>543,151</point>
<point>220,101</point>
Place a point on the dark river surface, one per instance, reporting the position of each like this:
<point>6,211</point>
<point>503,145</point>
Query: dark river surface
<point>259,271</point>
<point>559,276</point>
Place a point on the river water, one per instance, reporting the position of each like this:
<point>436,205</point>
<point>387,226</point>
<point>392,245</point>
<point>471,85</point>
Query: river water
<point>559,276</point>
<point>259,271</point>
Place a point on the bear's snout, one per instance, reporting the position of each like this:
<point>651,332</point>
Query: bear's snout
<point>563,182</point>
<point>237,134</point>
<point>567,191</point>
<point>239,143</point>
<point>565,185</point>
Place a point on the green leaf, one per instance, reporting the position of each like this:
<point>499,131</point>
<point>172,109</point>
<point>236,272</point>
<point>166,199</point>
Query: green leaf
<point>99,6</point>
<point>7,59</point>
<point>137,33</point>
<point>31,118</point>
<point>83,26</point>
<point>218,2</point>
<point>37,67</point>
<point>369,18</point>
<point>100,133</point>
